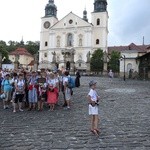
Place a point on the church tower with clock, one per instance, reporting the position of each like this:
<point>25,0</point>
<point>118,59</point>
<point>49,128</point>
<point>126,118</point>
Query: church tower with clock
<point>48,20</point>
<point>69,42</point>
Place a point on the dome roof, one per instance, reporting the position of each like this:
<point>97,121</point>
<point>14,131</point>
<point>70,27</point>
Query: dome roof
<point>84,12</point>
<point>51,9</point>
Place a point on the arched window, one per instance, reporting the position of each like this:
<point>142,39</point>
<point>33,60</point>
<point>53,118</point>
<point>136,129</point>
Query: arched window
<point>80,42</point>
<point>58,41</point>
<point>70,40</point>
<point>80,39</point>
<point>98,21</point>
<point>97,41</point>
<point>129,67</point>
<point>46,43</point>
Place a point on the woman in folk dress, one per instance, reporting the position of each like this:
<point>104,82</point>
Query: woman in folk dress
<point>33,91</point>
<point>52,94</point>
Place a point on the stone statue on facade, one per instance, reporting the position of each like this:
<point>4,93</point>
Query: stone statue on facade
<point>54,56</point>
<point>88,56</point>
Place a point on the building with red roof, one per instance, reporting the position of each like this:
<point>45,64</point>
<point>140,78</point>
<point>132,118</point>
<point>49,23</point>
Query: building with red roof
<point>129,61</point>
<point>22,56</point>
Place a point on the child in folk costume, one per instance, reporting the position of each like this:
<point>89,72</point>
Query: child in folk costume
<point>93,99</point>
<point>52,94</point>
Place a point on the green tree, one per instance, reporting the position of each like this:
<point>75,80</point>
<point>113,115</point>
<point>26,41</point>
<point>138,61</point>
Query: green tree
<point>32,47</point>
<point>114,61</point>
<point>3,49</point>
<point>97,61</point>
<point>12,45</point>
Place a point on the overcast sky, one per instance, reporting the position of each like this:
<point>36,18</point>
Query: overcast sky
<point>129,20</point>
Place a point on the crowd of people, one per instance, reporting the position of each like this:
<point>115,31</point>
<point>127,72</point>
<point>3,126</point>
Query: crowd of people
<point>39,87</point>
<point>33,89</point>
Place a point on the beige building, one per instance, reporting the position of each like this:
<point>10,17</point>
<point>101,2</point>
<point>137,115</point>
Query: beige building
<point>22,56</point>
<point>69,42</point>
<point>129,57</point>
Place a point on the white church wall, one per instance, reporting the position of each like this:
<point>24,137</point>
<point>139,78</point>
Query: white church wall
<point>84,36</point>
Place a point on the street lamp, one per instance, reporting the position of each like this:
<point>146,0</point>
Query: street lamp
<point>123,57</point>
<point>1,60</point>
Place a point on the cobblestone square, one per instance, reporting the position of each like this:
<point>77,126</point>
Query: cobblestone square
<point>124,120</point>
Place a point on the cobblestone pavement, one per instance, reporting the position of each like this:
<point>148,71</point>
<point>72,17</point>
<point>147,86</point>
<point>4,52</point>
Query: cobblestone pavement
<point>124,113</point>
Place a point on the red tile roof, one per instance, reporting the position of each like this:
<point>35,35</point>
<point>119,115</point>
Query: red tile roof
<point>21,51</point>
<point>132,46</point>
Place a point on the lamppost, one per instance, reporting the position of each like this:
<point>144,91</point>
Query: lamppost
<point>124,57</point>
<point>0,60</point>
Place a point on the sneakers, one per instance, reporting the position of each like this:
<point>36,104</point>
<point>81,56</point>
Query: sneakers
<point>67,108</point>
<point>6,107</point>
<point>14,111</point>
<point>64,105</point>
<point>20,109</point>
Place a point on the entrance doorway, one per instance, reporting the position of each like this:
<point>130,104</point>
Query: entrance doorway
<point>68,65</point>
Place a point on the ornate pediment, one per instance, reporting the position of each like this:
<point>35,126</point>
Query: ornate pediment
<point>68,51</point>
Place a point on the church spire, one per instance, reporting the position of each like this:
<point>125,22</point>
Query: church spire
<point>51,9</point>
<point>21,42</point>
<point>85,15</point>
<point>100,5</point>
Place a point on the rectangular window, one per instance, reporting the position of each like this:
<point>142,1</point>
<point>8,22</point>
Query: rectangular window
<point>46,43</point>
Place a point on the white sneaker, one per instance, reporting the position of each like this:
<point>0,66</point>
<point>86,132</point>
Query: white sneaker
<point>20,109</point>
<point>14,111</point>
<point>6,106</point>
<point>68,107</point>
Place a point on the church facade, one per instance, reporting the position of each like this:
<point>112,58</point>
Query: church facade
<point>68,43</point>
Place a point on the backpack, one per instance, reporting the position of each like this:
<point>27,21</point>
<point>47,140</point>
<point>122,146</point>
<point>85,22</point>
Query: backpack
<point>3,84</point>
<point>71,82</point>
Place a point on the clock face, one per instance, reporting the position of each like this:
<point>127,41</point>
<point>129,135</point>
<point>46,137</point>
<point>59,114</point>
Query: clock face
<point>46,24</point>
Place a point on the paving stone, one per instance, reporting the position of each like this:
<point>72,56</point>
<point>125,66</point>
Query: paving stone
<point>124,121</point>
